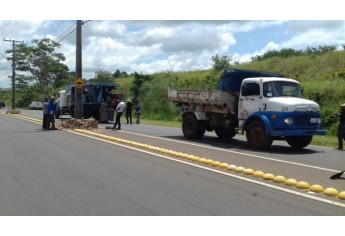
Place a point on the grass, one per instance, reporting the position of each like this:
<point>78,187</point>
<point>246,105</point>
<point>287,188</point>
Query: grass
<point>172,124</point>
<point>325,141</point>
<point>330,141</point>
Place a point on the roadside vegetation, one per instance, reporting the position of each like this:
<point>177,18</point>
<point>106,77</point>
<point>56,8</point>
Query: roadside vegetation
<point>320,70</point>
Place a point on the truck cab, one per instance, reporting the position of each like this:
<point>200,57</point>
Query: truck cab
<point>278,110</point>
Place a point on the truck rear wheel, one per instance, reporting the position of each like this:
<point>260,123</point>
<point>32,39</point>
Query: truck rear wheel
<point>299,142</point>
<point>257,137</point>
<point>193,128</point>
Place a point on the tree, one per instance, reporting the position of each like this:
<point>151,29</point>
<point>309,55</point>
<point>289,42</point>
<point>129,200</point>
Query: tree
<point>117,74</point>
<point>43,62</point>
<point>103,76</point>
<point>124,74</point>
<point>221,63</point>
<point>137,83</point>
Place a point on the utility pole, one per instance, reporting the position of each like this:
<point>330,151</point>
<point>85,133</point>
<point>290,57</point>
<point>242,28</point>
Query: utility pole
<point>78,106</point>
<point>13,72</point>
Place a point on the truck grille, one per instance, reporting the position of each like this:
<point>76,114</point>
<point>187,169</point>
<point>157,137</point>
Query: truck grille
<point>303,120</point>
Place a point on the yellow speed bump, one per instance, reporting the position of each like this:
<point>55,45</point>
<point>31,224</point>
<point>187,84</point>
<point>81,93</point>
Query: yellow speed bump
<point>341,195</point>
<point>291,182</point>
<point>330,192</point>
<point>215,163</point>
<point>208,161</point>
<point>279,179</point>
<point>232,167</point>
<point>239,169</point>
<point>194,158</point>
<point>184,155</point>
<point>224,165</point>
<point>316,188</point>
<point>248,171</point>
<point>303,185</point>
<point>268,176</point>
<point>258,174</point>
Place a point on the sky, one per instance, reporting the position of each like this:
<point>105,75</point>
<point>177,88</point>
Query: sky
<point>132,41</point>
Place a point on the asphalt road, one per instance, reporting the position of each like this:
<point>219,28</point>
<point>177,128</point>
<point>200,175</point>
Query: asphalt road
<point>63,173</point>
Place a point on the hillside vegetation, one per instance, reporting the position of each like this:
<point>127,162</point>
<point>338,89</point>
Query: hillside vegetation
<point>321,72</point>
<point>321,76</point>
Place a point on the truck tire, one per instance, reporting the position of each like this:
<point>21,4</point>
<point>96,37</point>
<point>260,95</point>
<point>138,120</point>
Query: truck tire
<point>193,128</point>
<point>299,142</point>
<point>225,134</point>
<point>257,137</point>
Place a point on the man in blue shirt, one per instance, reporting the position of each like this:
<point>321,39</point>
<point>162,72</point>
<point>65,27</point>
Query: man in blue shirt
<point>51,110</point>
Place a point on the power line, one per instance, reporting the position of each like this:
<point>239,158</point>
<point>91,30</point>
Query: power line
<point>66,36</point>
<point>65,31</point>
<point>4,57</point>
<point>83,22</point>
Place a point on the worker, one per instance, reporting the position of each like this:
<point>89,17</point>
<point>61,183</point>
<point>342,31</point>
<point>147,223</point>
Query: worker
<point>129,107</point>
<point>46,117</point>
<point>341,127</point>
<point>119,111</point>
<point>51,110</point>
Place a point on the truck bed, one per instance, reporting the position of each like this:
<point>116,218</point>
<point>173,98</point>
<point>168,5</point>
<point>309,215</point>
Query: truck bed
<point>203,97</point>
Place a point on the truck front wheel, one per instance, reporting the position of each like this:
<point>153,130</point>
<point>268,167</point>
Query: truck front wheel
<point>299,142</point>
<point>257,137</point>
<point>193,128</point>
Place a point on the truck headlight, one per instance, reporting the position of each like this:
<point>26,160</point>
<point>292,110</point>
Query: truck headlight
<point>315,120</point>
<point>288,120</point>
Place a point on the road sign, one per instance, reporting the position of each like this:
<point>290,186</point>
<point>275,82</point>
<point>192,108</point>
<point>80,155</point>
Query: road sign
<point>79,83</point>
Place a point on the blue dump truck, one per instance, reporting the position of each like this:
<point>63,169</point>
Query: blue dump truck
<point>266,106</point>
<point>98,100</point>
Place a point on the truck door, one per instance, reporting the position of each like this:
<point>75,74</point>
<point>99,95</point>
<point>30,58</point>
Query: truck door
<point>249,101</point>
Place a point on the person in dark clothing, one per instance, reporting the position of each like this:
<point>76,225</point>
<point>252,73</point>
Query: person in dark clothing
<point>51,111</point>
<point>129,107</point>
<point>46,121</point>
<point>341,127</point>
<point>138,113</point>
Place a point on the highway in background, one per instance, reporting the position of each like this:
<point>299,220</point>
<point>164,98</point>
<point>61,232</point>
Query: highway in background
<point>64,173</point>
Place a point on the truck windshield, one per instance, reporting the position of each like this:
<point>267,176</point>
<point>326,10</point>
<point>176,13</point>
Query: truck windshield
<point>281,89</point>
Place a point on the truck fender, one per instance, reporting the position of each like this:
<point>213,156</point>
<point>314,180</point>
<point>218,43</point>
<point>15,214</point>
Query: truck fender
<point>198,114</point>
<point>258,116</point>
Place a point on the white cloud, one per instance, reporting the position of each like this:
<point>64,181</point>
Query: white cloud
<point>155,46</point>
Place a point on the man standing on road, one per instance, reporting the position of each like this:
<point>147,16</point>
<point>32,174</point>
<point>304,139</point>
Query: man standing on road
<point>51,110</point>
<point>46,121</point>
<point>119,110</point>
<point>341,127</point>
<point>129,106</point>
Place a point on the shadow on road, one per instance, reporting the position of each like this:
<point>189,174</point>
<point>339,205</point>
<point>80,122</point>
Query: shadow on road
<point>278,147</point>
